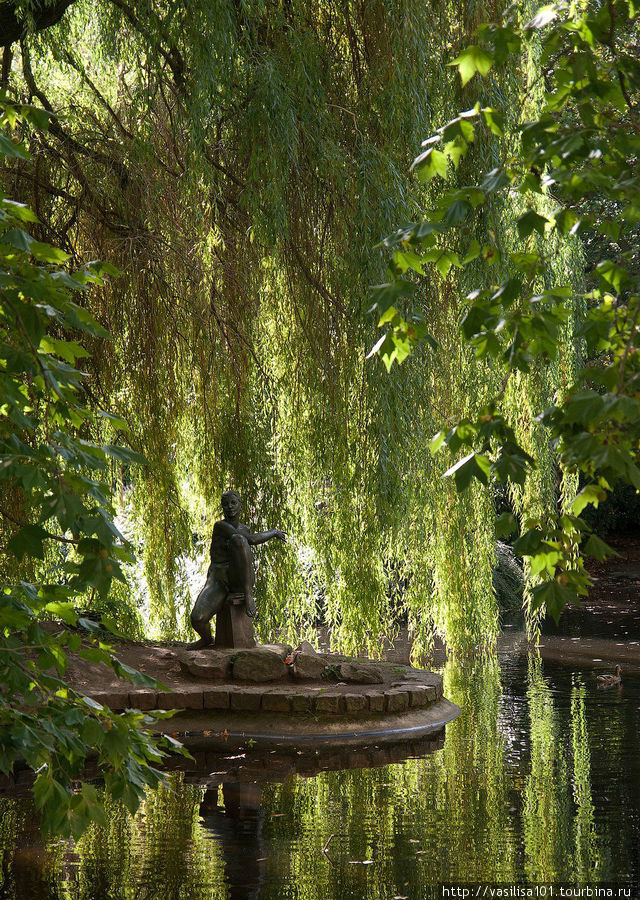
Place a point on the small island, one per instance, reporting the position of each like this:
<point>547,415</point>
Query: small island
<point>274,695</point>
<point>228,690</point>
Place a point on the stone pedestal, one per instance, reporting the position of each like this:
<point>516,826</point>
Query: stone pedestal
<point>234,628</point>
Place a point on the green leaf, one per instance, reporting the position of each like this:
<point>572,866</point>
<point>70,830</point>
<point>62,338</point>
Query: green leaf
<point>17,238</point>
<point>19,210</point>
<point>506,525</point>
<point>494,180</point>
<point>388,316</point>
<point>598,549</point>
<point>544,16</point>
<point>554,596</point>
<point>529,542</point>
<point>512,466</point>
<point>47,253</point>
<point>456,212</point>
<point>390,292</point>
<point>429,164</point>
<point>377,346</point>
<point>473,59</point>
<point>474,465</point>
<point>612,274</point>
<point>28,542</point>
<point>544,562</point>
<point>529,222</point>
<point>494,120</point>
<point>437,441</point>
<point>406,259</point>
<point>64,611</point>
<point>590,495</point>
<point>68,350</point>
<point>93,704</point>
<point>133,675</point>
<point>32,320</point>
<point>444,260</point>
<point>12,149</point>
<point>125,455</point>
<point>472,253</point>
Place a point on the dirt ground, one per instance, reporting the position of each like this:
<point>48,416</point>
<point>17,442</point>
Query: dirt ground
<point>152,659</point>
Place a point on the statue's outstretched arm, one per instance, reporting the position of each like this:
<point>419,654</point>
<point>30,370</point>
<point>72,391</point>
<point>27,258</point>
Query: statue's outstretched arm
<point>262,537</point>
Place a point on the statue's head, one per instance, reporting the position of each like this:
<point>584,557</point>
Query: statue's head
<point>231,504</point>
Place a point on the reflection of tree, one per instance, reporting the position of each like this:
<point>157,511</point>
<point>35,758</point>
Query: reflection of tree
<point>27,865</point>
<point>162,852</point>
<point>587,858</point>
<point>443,817</point>
<point>547,800</point>
<point>105,855</point>
<point>473,806</point>
<point>559,835</point>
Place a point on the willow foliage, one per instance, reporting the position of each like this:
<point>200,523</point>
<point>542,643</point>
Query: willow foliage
<point>238,161</point>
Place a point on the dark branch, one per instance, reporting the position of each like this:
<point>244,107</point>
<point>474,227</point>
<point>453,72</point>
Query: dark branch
<point>172,56</point>
<point>55,537</point>
<point>42,15</point>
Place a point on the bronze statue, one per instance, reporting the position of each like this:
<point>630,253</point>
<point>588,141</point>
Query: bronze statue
<point>231,570</point>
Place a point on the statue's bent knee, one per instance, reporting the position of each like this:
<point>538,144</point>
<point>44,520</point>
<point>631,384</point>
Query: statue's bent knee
<point>239,540</point>
<point>197,618</point>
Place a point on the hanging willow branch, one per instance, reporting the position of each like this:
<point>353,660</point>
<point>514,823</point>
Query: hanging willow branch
<point>238,165</point>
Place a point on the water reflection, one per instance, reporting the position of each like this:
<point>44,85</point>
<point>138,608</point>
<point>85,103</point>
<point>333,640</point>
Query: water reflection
<point>537,780</point>
<point>587,854</point>
<point>236,823</point>
<point>546,811</point>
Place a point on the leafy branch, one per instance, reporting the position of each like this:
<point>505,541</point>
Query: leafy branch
<point>578,146</point>
<point>55,474</point>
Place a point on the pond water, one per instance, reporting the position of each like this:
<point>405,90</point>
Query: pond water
<point>538,781</point>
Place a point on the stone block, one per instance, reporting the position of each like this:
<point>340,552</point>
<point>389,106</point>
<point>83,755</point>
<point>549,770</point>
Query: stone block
<point>114,699</point>
<point>419,696</point>
<point>376,701</point>
<point>283,650</point>
<point>188,697</point>
<point>216,698</point>
<point>276,702</point>
<point>430,680</point>
<point>302,703</point>
<point>328,703</point>
<point>209,664</point>
<point>143,698</point>
<point>245,700</point>
<point>234,628</point>
<point>308,666</point>
<point>361,673</point>
<point>355,703</point>
<point>259,665</point>
<point>397,701</point>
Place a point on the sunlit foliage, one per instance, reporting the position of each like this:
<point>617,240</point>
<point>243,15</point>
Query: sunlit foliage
<point>239,164</point>
<point>567,167</point>
<point>55,477</point>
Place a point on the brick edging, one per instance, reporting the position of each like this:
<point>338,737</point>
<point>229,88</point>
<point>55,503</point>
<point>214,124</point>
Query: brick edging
<point>395,698</point>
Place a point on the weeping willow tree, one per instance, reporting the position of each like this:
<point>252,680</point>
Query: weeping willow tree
<point>238,162</point>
